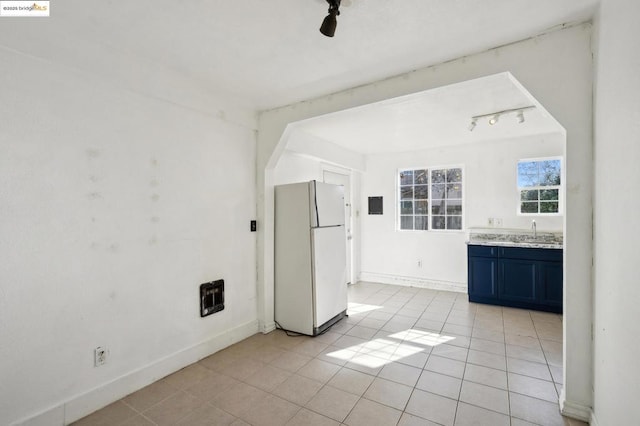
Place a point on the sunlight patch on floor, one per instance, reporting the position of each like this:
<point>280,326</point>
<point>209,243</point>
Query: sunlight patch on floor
<point>422,337</point>
<point>360,308</point>
<point>378,352</point>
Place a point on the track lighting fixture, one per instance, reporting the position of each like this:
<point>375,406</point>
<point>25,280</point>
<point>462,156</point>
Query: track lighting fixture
<point>330,22</point>
<point>492,118</point>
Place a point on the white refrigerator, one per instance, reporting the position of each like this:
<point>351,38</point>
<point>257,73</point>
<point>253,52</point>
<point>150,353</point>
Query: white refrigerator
<point>310,257</point>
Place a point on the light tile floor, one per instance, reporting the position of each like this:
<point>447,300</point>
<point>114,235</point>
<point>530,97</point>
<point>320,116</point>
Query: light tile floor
<point>404,356</point>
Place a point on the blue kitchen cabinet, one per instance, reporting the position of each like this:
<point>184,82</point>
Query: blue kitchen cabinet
<point>519,277</point>
<point>550,284</point>
<point>517,280</point>
<point>483,273</point>
<point>484,281</point>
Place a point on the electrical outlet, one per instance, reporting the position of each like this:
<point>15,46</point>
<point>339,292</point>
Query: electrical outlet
<point>99,356</point>
<point>497,222</point>
<point>419,263</point>
<point>490,221</point>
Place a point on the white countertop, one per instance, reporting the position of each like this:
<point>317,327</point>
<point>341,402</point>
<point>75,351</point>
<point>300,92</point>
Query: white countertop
<point>515,238</point>
<point>523,244</point>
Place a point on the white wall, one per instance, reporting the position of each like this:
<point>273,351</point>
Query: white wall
<point>307,144</point>
<point>489,173</point>
<point>556,69</point>
<point>114,208</point>
<point>293,167</point>
<point>617,229</point>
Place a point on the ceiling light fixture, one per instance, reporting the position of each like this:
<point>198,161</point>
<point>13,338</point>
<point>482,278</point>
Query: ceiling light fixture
<point>330,22</point>
<point>492,118</point>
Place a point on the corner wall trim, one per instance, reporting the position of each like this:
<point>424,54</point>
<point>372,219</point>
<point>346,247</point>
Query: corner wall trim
<point>86,403</point>
<point>574,410</point>
<point>267,327</point>
<point>413,282</point>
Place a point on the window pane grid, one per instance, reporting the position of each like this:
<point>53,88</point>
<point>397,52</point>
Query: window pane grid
<point>430,199</point>
<point>539,185</point>
<point>447,203</point>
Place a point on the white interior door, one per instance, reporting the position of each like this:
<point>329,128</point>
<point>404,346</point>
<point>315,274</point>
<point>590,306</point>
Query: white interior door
<point>344,180</point>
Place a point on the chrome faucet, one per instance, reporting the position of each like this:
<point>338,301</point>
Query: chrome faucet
<point>535,230</point>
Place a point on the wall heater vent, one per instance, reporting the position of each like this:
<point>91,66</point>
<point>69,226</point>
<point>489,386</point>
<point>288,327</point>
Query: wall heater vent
<point>211,297</point>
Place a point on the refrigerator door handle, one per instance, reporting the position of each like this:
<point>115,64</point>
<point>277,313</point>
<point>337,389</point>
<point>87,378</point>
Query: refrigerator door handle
<point>313,205</point>
<point>327,204</point>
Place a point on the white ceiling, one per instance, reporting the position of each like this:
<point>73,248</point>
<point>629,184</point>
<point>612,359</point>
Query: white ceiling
<point>434,118</point>
<point>265,54</point>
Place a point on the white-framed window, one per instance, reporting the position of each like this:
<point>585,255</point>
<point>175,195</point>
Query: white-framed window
<point>430,199</point>
<point>540,186</point>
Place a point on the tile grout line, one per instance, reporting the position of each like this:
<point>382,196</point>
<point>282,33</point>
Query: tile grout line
<point>547,362</point>
<point>506,362</point>
<point>139,413</point>
<point>360,397</point>
<point>403,411</point>
<point>545,356</point>
<point>400,300</point>
<point>455,414</point>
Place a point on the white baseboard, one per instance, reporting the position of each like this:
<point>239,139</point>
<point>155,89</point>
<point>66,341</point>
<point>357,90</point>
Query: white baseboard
<point>413,282</point>
<point>592,420</point>
<point>48,417</point>
<point>574,410</point>
<point>87,402</point>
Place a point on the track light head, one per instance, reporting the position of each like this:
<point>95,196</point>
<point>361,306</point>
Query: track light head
<point>330,22</point>
<point>493,117</point>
